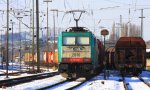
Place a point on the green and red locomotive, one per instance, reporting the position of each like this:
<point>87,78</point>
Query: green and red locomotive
<point>79,53</point>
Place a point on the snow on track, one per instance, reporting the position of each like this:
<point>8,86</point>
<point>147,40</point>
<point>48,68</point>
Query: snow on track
<point>134,83</point>
<point>66,85</point>
<point>113,82</point>
<point>37,83</point>
<point>98,83</point>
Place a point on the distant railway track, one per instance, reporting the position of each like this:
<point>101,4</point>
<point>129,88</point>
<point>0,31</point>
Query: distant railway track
<point>15,81</point>
<point>14,73</point>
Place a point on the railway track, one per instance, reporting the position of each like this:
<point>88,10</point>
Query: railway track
<point>67,84</point>
<point>16,81</point>
<point>124,83</point>
<point>148,84</point>
<point>59,83</point>
<point>129,83</point>
<point>14,73</point>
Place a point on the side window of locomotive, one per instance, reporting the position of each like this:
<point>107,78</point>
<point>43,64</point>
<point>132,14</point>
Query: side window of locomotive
<point>68,40</point>
<point>82,40</point>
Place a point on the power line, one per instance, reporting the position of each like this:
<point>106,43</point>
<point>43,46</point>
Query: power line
<point>66,3</point>
<point>133,12</point>
<point>117,2</point>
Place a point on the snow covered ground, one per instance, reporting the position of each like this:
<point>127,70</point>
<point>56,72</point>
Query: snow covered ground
<point>98,83</point>
<point>16,68</point>
<point>146,76</point>
<point>136,84</point>
<point>113,82</point>
<point>37,83</point>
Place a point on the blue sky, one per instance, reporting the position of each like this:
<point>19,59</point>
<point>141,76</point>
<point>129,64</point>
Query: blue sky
<point>105,11</point>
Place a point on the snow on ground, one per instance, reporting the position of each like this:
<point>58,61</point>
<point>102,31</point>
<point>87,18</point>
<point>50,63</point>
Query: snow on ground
<point>136,84</point>
<point>102,85</point>
<point>98,83</point>
<point>16,68</point>
<point>146,76</point>
<point>13,67</point>
<point>18,76</point>
<point>37,83</point>
<point>67,85</point>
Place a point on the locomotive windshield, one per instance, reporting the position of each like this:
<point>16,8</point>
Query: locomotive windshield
<point>82,40</point>
<point>75,40</point>
<point>68,40</point>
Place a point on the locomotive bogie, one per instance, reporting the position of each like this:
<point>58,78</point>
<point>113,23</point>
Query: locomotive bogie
<point>81,70</point>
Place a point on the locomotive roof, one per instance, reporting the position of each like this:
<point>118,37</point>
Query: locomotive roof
<point>130,42</point>
<point>77,29</point>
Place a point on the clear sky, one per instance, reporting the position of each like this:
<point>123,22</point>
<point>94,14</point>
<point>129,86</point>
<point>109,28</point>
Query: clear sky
<point>105,11</point>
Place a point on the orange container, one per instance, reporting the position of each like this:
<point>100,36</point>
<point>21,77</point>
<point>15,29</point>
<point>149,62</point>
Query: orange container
<point>51,56</point>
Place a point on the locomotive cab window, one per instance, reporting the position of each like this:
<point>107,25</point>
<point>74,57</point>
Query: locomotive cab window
<point>82,40</point>
<point>68,40</point>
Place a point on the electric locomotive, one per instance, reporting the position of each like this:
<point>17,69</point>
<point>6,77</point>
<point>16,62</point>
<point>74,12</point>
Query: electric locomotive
<point>79,53</point>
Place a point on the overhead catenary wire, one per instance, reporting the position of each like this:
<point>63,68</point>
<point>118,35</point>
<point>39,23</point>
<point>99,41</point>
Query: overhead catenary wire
<point>130,20</point>
<point>117,2</point>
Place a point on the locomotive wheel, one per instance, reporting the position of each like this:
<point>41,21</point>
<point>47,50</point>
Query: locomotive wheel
<point>65,75</point>
<point>74,75</point>
<point>54,68</point>
<point>92,72</point>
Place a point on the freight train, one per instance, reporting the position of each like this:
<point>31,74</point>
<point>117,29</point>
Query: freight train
<point>79,53</point>
<point>130,55</point>
<point>46,59</point>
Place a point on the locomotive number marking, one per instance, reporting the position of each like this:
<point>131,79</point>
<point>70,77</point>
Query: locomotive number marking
<point>75,55</point>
